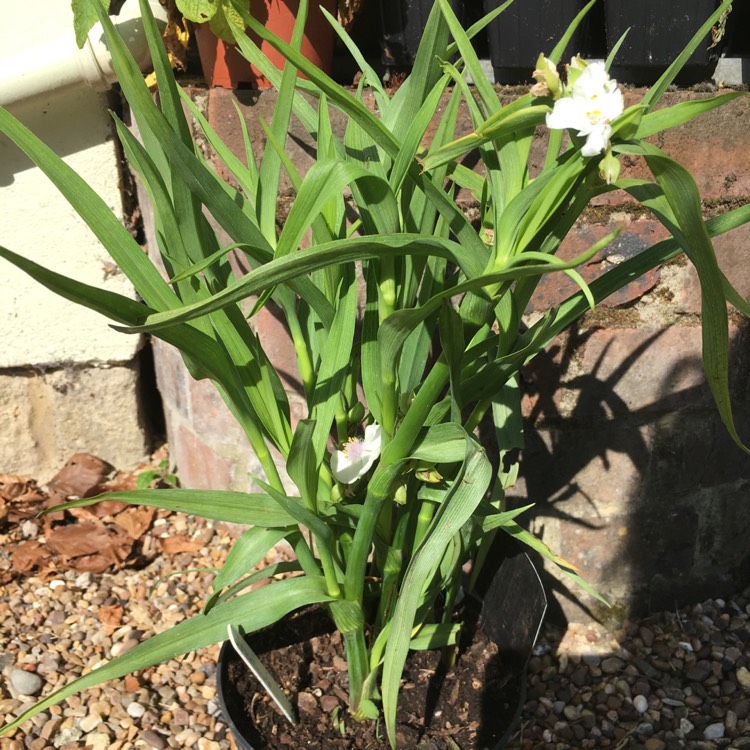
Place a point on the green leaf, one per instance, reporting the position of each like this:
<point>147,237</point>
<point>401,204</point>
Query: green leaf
<point>84,18</point>
<point>251,611</point>
<point>256,509</point>
<point>289,267</point>
<point>503,126</point>
<point>224,21</point>
<point>124,250</point>
<point>522,535</point>
<point>433,636</point>
<point>678,114</point>
<point>302,465</point>
<point>198,11</point>
<point>683,199</point>
<point>245,554</point>
<point>556,53</point>
<point>457,508</point>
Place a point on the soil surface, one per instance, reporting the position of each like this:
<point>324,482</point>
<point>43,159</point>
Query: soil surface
<point>468,707</point>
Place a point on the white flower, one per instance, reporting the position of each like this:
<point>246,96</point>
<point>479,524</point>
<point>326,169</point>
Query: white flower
<point>590,109</point>
<point>357,456</point>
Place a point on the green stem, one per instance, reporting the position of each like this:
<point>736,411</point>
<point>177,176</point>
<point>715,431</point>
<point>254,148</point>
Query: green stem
<point>306,371</point>
<point>414,420</point>
<point>386,306</point>
<point>424,519</point>
<point>246,416</point>
<point>329,571</point>
<point>480,409</point>
<point>305,556</point>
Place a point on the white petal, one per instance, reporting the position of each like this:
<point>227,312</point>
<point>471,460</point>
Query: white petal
<point>344,469</point>
<point>567,113</point>
<point>613,105</point>
<point>366,461</point>
<point>597,141</point>
<point>373,437</point>
<point>591,81</point>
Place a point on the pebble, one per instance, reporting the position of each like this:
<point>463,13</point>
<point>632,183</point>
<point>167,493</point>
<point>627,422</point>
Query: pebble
<point>136,710</point>
<point>640,703</point>
<point>26,683</point>
<point>714,731</point>
<point>743,677</point>
<point>612,665</point>
<point>152,739</point>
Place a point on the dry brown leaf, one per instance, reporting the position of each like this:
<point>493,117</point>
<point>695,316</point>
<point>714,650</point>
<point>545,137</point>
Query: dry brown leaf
<point>80,477</point>
<point>110,617</point>
<point>123,481</point>
<point>90,546</point>
<point>135,520</point>
<point>28,555</point>
<point>173,545</point>
<point>98,563</point>
<point>12,486</point>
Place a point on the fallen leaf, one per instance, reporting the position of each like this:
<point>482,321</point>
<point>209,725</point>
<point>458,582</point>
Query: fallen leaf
<point>89,546</point>
<point>110,617</point>
<point>173,545</point>
<point>80,477</point>
<point>11,486</point>
<point>135,520</point>
<point>27,555</point>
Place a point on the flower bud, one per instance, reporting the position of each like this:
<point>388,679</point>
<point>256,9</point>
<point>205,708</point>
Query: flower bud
<point>609,168</point>
<point>547,79</point>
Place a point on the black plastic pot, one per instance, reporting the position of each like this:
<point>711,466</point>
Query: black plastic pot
<point>513,604</point>
<point>403,23</point>
<point>658,33</point>
<point>529,27</point>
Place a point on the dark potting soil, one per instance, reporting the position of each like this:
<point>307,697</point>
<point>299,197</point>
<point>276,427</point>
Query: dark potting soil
<point>468,708</point>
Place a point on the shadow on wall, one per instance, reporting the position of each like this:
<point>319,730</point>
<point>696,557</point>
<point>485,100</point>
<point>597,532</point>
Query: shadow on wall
<point>635,478</point>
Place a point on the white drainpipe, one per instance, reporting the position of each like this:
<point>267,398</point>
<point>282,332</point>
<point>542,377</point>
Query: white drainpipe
<point>33,61</point>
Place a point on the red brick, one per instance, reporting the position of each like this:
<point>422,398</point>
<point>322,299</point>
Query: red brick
<point>277,343</point>
<point>210,415</point>
<point>574,471</point>
<point>172,379</point>
<point>636,235</point>
<point>198,465</point>
<point>733,253</point>
<point>638,370</point>
<point>592,544</point>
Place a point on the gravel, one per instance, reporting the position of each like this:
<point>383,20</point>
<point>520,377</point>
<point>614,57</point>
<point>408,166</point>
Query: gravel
<point>670,681</point>
<point>673,680</point>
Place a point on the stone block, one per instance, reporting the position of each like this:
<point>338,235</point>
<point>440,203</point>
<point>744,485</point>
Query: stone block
<point>38,327</point>
<point>49,415</point>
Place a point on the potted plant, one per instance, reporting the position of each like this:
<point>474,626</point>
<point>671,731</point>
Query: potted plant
<point>225,67</point>
<point>397,475</point>
<point>656,34</point>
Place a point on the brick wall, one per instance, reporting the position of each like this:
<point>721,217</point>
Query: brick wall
<point>634,477</point>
